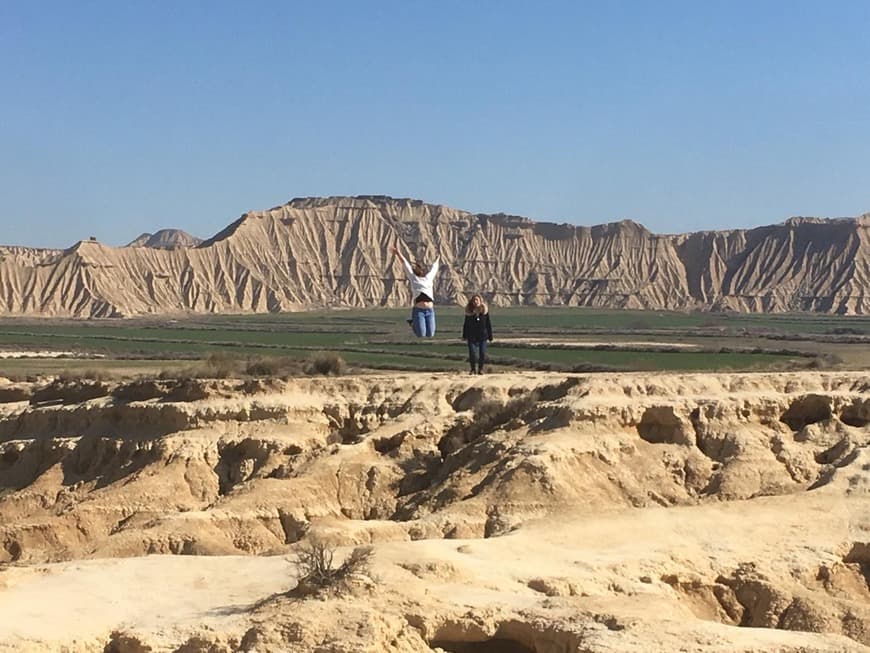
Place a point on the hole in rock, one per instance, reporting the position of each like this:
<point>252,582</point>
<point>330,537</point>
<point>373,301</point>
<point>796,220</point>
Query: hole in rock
<point>239,461</point>
<point>661,425</point>
<point>495,645</point>
<point>834,453</point>
<point>859,554</point>
<point>857,414</point>
<point>468,399</point>
<point>10,456</point>
<point>808,409</point>
<point>389,445</point>
<point>558,391</point>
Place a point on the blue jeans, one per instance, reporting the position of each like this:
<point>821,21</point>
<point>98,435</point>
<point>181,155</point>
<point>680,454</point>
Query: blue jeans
<point>476,354</point>
<point>423,322</point>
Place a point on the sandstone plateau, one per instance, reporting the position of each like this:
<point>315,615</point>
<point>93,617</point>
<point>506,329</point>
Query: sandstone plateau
<point>523,512</point>
<point>333,252</point>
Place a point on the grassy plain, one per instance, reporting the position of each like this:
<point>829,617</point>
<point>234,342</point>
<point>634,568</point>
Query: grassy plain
<point>525,338</point>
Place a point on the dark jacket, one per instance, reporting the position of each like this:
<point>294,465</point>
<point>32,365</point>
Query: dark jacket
<point>477,327</point>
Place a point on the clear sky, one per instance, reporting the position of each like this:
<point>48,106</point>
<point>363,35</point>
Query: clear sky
<point>120,117</point>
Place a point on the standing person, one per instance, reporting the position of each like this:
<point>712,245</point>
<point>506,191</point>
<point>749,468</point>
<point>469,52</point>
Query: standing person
<point>422,289</point>
<point>476,331</point>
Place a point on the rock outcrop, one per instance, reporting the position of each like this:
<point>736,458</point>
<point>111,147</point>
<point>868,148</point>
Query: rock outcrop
<point>519,512</point>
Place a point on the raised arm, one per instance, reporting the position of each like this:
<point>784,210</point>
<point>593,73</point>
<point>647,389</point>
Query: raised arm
<point>407,265</point>
<point>433,271</point>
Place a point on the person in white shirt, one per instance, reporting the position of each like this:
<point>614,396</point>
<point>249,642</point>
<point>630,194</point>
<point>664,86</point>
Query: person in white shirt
<point>423,291</point>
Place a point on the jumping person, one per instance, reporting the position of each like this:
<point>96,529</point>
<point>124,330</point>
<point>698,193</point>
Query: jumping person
<point>476,331</point>
<point>422,289</point>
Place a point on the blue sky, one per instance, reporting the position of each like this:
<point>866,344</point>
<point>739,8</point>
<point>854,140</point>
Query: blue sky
<point>123,117</point>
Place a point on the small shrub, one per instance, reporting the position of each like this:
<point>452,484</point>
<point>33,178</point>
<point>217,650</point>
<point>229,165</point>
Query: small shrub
<point>90,374</point>
<point>317,572</point>
<point>262,367</point>
<point>326,364</point>
<point>167,375</point>
<point>274,367</point>
<point>121,642</point>
<point>846,331</point>
<point>221,365</point>
<point>824,362</point>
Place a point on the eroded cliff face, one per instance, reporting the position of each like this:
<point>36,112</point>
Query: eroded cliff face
<point>529,511</point>
<point>316,252</point>
<point>27,256</point>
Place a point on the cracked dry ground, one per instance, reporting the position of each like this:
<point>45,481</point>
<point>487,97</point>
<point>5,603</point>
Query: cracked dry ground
<point>524,512</point>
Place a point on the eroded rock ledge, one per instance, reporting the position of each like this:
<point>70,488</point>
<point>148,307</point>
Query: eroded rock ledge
<point>92,470</point>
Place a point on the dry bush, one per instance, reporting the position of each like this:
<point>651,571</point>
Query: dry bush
<point>274,367</point>
<point>221,365</point>
<point>168,375</point>
<point>91,374</point>
<point>217,365</point>
<point>328,363</point>
<point>317,572</point>
<point>188,373</point>
<point>121,642</point>
<point>823,362</point>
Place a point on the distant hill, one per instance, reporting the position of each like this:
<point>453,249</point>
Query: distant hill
<point>334,252</point>
<point>166,239</point>
<point>27,255</point>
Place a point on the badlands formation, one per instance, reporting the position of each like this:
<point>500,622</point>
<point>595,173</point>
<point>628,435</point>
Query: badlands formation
<point>166,239</point>
<point>517,513</point>
<point>333,252</point>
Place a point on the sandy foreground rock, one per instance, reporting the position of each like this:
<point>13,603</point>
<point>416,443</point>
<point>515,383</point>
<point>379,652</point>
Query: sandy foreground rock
<point>521,512</point>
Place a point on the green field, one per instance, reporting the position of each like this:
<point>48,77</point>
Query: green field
<point>564,339</point>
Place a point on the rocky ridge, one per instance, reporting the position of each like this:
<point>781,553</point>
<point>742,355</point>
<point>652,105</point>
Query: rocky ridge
<point>27,256</point>
<point>333,252</point>
<point>165,239</point>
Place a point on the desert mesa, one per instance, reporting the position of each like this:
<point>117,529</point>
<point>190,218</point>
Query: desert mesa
<point>334,253</point>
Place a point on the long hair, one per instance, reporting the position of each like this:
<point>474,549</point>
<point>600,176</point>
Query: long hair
<point>471,309</point>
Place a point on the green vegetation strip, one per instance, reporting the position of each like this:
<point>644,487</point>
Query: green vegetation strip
<point>381,338</point>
